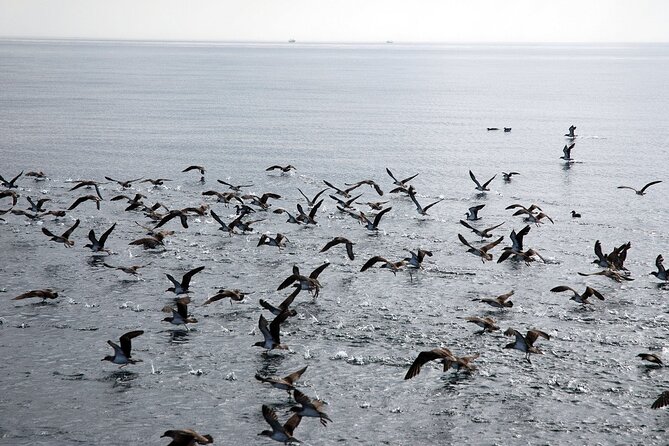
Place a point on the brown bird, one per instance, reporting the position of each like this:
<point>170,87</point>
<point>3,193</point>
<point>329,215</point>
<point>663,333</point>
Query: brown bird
<point>236,295</point>
<point>44,294</point>
<point>153,241</point>
<point>500,301</point>
<point>483,250</point>
<point>394,267</point>
<point>371,183</point>
<point>198,168</point>
<point>485,233</point>
<point>311,201</point>
<point>280,433</point>
<point>526,343</point>
<point>487,324</point>
<point>402,183</point>
<point>442,354</point>
<point>285,383</point>
<point>98,245</point>
<point>10,184</point>
<point>156,182</point>
<point>132,270</point>
<point>271,333</point>
<point>80,200</point>
<point>614,275</point>
<point>223,197</point>
<point>580,298</point>
<point>183,217</point>
<point>310,283</point>
<point>309,218</point>
<point>661,401</point>
<point>283,306</point>
<point>186,437</point>
<point>279,241</point>
<point>10,193</point>
<point>650,357</point>
<point>338,240</point>
<point>65,237</point>
<point>309,407</point>
<point>88,184</point>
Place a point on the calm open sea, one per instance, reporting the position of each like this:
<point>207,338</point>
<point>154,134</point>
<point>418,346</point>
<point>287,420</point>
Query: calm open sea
<point>341,113</point>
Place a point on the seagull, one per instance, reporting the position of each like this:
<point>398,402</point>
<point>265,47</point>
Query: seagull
<point>310,283</point>
<point>473,212</point>
<point>483,250</point>
<point>309,407</point>
<point>480,187</point>
<point>661,273</point>
<point>392,266</point>
<point>180,314</point>
<point>487,324</point>
<point>506,176</point>
<point>182,288</point>
<point>373,225</point>
<point>397,182</point>
<point>338,240</point>
<point>485,233</point>
<point>580,298</point>
<point>124,184</point>
<point>279,241</point>
<point>642,191</point>
<point>345,204</point>
<point>311,201</point>
<point>371,183</point>
<point>310,217</point>
<point>651,357</point>
<point>280,433</point>
<point>567,152</point>
<point>501,301</point>
<point>85,198</point>
<point>44,294</point>
<point>186,437</point>
<point>283,306</point>
<point>65,237</point>
<point>99,245</point>
<point>236,295</point>
<point>421,210</point>
<point>10,193</point>
<point>571,132</point>
<point>122,353</point>
<point>442,354</point>
<point>10,184</point>
<point>156,182</point>
<point>283,169</point>
<point>88,184</point>
<point>661,401</point>
<point>132,270</point>
<point>526,343</point>
<point>285,383</point>
<point>416,259</point>
<point>37,207</point>
<point>235,187</point>
<point>271,333</point>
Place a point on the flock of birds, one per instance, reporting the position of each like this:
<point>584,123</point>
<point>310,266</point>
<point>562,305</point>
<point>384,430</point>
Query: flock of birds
<point>247,206</point>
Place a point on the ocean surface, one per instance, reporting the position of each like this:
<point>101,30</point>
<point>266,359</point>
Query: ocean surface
<point>341,113</point>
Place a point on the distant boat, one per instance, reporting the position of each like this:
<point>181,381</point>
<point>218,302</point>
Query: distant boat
<point>291,41</point>
<point>389,41</point>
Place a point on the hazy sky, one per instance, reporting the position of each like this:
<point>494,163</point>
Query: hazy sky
<point>340,20</point>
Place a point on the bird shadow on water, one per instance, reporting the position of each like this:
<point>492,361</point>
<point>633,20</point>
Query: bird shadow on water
<point>121,378</point>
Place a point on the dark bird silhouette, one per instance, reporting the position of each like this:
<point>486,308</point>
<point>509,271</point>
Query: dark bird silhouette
<point>580,298</point>
<point>182,287</point>
<point>481,187</point>
<point>311,201</point>
<point>485,233</point>
<point>12,183</point>
<point>122,354</point>
<point>285,383</point>
<point>283,306</point>
<point>661,401</point>
<point>651,357</point>
<point>44,294</point>
<point>371,183</point>
<point>339,240</point>
<point>156,182</point>
<point>125,184</point>
<point>422,210</point>
<point>506,176</point>
<point>473,212</point>
<point>403,183</point>
<point>236,295</point>
<point>571,132</point>
<point>442,354</point>
<point>641,191</point>
<point>37,207</point>
<point>99,245</point>
<point>394,267</point>
<point>10,193</point>
<point>271,336</point>
<point>283,169</point>
<point>487,324</point>
<point>80,200</point>
<point>501,301</point>
<point>567,152</point>
<point>234,187</point>
<point>279,241</point>
<point>310,283</point>
<point>65,237</point>
<point>88,184</point>
<point>373,225</point>
<point>661,273</point>
<point>180,314</point>
<point>309,218</point>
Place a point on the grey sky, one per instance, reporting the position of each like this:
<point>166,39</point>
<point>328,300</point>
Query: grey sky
<point>340,20</point>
